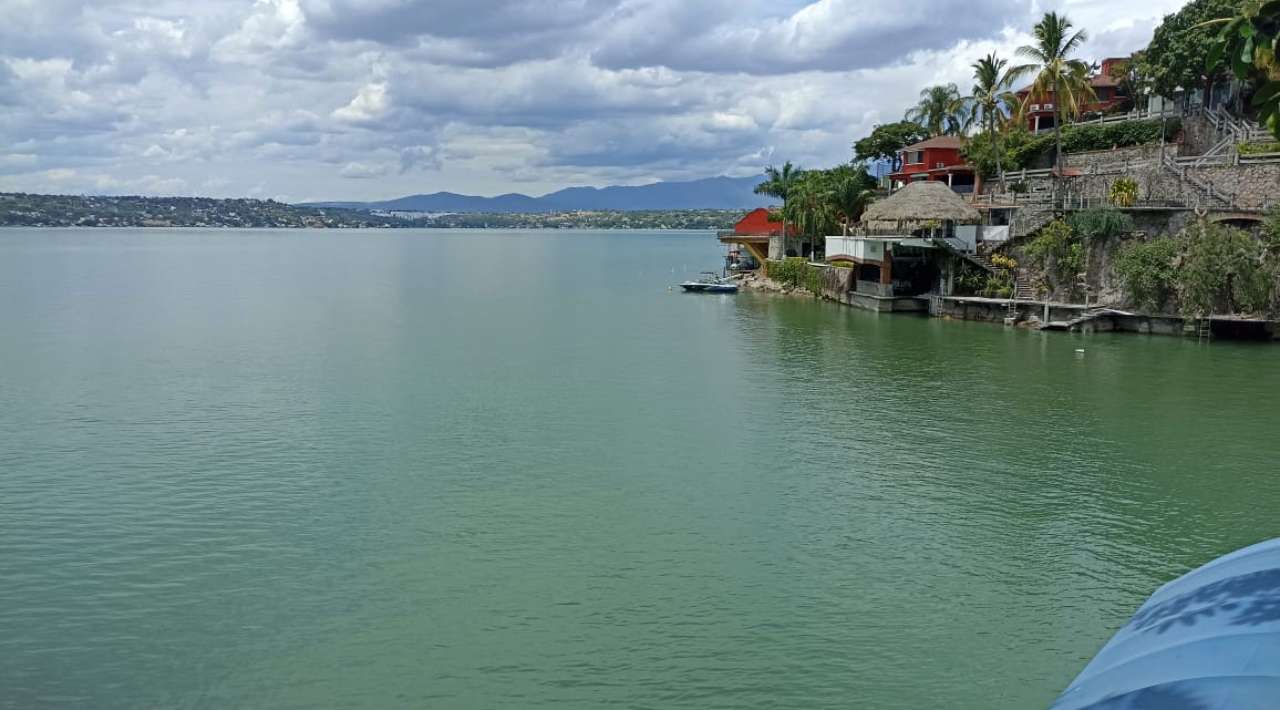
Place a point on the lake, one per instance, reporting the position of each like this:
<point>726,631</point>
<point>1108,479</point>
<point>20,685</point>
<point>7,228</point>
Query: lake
<point>485,469</point>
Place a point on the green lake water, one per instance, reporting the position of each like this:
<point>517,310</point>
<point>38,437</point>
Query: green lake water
<point>515,470</point>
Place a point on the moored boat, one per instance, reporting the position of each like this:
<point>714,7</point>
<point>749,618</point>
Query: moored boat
<point>709,282</point>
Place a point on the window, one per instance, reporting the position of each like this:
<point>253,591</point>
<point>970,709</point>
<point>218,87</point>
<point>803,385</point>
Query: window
<point>917,157</point>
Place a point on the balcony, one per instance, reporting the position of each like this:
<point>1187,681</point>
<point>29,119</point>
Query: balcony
<point>856,248</point>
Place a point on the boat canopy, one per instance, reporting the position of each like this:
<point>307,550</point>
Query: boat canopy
<point>1209,640</point>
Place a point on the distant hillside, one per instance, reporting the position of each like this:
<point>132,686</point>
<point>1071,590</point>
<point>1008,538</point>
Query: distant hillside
<point>723,193</point>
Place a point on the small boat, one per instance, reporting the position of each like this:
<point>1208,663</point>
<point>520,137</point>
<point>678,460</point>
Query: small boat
<point>709,282</point>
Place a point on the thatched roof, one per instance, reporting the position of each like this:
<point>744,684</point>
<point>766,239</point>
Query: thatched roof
<point>918,202</point>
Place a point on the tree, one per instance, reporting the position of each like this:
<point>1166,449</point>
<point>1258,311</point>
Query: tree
<point>1247,43</point>
<point>1180,47</point>
<point>779,183</point>
<point>1055,73</point>
<point>1149,271</point>
<point>990,101</point>
<point>1132,81</point>
<point>940,110</point>
<point>852,189</point>
<point>822,200</point>
<point>811,207</point>
<point>887,139</point>
<point>1223,270</point>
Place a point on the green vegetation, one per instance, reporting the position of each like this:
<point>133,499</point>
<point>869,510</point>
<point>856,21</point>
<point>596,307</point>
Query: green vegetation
<point>21,210</point>
<point>1055,73</point>
<point>1100,223</point>
<point>1225,270</point>
<point>998,285</point>
<point>818,202</point>
<point>1124,192</point>
<point>1058,251</point>
<point>1020,149</point>
<point>1105,136</point>
<point>1257,148</point>
<point>778,183</point>
<point>1148,271</point>
<point>991,103</point>
<point>1210,268</point>
<point>1181,45</point>
<point>826,200</point>
<point>887,139</point>
<point>1247,44</point>
<point>940,110</point>
<point>796,273</point>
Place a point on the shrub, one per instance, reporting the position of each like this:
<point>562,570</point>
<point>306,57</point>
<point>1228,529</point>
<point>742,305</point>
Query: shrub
<point>998,284</point>
<point>970,281</point>
<point>1124,192</point>
<point>1149,271</point>
<point>1255,148</point>
<point>1058,251</point>
<point>1021,149</point>
<point>1004,262</point>
<point>1100,223</point>
<point>1053,241</point>
<point>1224,270</point>
<point>795,272</point>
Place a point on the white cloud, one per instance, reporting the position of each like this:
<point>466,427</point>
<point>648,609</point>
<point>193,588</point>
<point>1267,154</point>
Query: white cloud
<point>369,103</point>
<point>363,171</point>
<point>262,97</point>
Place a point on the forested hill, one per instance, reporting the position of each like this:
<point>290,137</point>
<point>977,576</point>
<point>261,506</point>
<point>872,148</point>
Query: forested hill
<point>724,193</point>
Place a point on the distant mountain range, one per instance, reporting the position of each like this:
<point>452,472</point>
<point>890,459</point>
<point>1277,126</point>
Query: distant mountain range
<point>724,193</point>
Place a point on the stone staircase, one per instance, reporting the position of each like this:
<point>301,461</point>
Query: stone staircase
<point>1022,288</point>
<point>1197,192</point>
<point>1236,129</point>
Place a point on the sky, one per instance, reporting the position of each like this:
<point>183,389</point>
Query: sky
<point>302,100</point>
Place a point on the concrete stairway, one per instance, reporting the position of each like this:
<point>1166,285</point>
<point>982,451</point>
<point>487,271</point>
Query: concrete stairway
<point>1197,192</point>
<point>1023,290</point>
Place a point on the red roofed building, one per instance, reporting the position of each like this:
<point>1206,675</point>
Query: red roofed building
<point>756,232</point>
<point>936,159</point>
<point>1042,110</point>
<point>757,224</point>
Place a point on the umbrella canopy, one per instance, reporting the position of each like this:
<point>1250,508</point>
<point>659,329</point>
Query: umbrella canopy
<point>1209,640</point>
<point>919,202</point>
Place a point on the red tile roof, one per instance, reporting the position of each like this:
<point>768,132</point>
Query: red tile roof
<point>956,142</point>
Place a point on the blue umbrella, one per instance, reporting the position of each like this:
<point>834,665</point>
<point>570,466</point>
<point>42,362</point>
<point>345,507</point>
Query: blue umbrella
<point>1209,640</point>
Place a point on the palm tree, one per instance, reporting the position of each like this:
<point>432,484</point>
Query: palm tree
<point>810,207</point>
<point>939,110</point>
<point>779,183</point>
<point>992,102</point>
<point>849,197</point>
<point>1055,73</point>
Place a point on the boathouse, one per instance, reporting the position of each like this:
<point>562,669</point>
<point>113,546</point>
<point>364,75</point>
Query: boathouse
<point>900,249</point>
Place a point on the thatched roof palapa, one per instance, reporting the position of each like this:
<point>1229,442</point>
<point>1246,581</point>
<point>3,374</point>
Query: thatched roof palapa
<point>920,202</point>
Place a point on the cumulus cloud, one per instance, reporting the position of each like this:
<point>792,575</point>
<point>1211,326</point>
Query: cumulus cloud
<point>364,99</point>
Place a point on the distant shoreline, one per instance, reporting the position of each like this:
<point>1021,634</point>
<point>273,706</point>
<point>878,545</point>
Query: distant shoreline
<point>131,212</point>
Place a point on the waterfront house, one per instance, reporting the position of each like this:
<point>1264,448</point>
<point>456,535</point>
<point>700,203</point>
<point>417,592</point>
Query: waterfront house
<point>901,248</point>
<point>937,159</point>
<point>1041,112</point>
<point>758,233</point>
